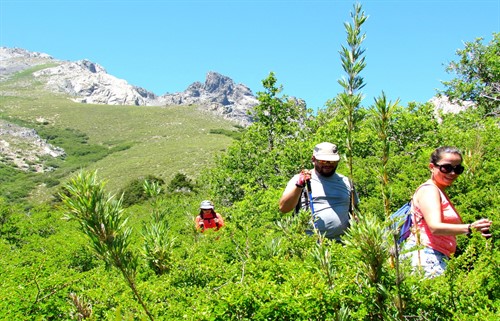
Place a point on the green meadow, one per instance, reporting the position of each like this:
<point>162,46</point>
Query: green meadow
<point>133,141</point>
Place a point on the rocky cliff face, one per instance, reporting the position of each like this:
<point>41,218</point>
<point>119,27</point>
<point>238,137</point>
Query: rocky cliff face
<point>13,60</point>
<point>443,105</point>
<point>24,149</point>
<point>88,82</point>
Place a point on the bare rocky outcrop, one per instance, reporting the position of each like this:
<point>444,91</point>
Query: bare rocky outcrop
<point>24,149</point>
<point>89,83</point>
<point>442,105</point>
<point>13,60</point>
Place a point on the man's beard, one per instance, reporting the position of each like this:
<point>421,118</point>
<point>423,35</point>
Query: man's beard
<point>320,171</point>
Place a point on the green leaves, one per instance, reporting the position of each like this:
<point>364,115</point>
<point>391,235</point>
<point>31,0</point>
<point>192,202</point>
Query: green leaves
<point>352,63</point>
<point>477,75</point>
<point>101,218</point>
<point>261,265</point>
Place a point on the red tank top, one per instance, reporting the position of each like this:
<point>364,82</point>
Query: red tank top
<point>445,244</point>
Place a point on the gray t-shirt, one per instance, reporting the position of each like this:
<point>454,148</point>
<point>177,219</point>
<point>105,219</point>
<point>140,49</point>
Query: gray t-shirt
<point>331,203</point>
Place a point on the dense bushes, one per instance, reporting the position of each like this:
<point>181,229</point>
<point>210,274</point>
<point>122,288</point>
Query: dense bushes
<point>261,265</point>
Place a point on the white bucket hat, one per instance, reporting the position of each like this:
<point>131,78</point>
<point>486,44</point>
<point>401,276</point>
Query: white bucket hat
<point>206,205</point>
<point>326,152</point>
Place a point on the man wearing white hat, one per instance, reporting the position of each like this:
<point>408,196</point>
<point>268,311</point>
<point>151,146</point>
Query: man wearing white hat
<point>330,193</point>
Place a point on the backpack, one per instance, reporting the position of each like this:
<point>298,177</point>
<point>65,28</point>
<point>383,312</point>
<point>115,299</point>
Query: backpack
<point>401,221</point>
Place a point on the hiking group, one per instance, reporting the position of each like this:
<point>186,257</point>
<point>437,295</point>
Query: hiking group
<point>330,197</point>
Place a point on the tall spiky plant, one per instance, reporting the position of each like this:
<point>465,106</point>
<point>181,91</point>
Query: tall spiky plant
<point>353,63</point>
<point>367,246</point>
<point>100,216</point>
<point>158,243</point>
<point>382,113</point>
<point>322,253</point>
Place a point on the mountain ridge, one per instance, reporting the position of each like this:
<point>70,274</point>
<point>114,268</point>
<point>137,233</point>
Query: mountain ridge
<point>88,82</point>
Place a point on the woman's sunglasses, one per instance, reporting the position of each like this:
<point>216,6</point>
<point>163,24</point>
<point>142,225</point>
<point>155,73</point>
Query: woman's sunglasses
<point>448,168</point>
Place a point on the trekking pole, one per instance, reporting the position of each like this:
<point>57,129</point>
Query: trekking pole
<point>352,204</point>
<point>311,206</point>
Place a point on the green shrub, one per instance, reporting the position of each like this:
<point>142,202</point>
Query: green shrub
<point>181,183</point>
<point>133,192</point>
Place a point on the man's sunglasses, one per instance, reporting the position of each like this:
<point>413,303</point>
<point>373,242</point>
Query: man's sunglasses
<point>323,162</point>
<point>448,168</point>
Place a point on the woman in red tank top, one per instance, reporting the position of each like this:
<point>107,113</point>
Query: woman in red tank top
<point>436,221</point>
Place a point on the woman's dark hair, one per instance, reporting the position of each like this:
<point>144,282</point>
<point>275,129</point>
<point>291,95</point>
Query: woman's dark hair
<point>438,153</point>
<point>211,211</point>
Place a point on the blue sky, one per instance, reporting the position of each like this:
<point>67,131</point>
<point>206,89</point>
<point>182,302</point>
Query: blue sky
<point>165,45</point>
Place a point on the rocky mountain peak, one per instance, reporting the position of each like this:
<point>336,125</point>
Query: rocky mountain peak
<point>90,66</point>
<point>219,95</point>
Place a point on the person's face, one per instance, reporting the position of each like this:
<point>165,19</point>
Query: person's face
<point>447,169</point>
<point>324,168</point>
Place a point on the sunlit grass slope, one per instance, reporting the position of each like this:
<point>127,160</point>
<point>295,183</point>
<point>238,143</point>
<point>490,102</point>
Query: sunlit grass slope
<point>162,140</point>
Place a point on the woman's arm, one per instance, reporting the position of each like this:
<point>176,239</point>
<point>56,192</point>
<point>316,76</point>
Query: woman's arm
<point>429,201</point>
<point>220,220</point>
<point>198,221</point>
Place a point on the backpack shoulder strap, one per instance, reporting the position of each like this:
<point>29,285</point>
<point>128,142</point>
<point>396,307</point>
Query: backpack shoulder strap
<point>424,184</point>
<point>303,195</point>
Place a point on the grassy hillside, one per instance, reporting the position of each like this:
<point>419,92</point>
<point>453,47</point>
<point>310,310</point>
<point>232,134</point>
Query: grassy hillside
<point>160,141</point>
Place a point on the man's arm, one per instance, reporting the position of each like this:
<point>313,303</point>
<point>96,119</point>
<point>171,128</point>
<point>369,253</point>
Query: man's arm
<point>290,197</point>
<point>292,192</point>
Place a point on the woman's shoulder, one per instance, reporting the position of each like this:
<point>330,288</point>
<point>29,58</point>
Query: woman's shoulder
<point>427,188</point>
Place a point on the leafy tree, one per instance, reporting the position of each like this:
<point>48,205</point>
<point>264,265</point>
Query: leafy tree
<point>477,75</point>
<point>268,150</point>
<point>276,117</point>
<point>414,128</point>
<point>133,192</point>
